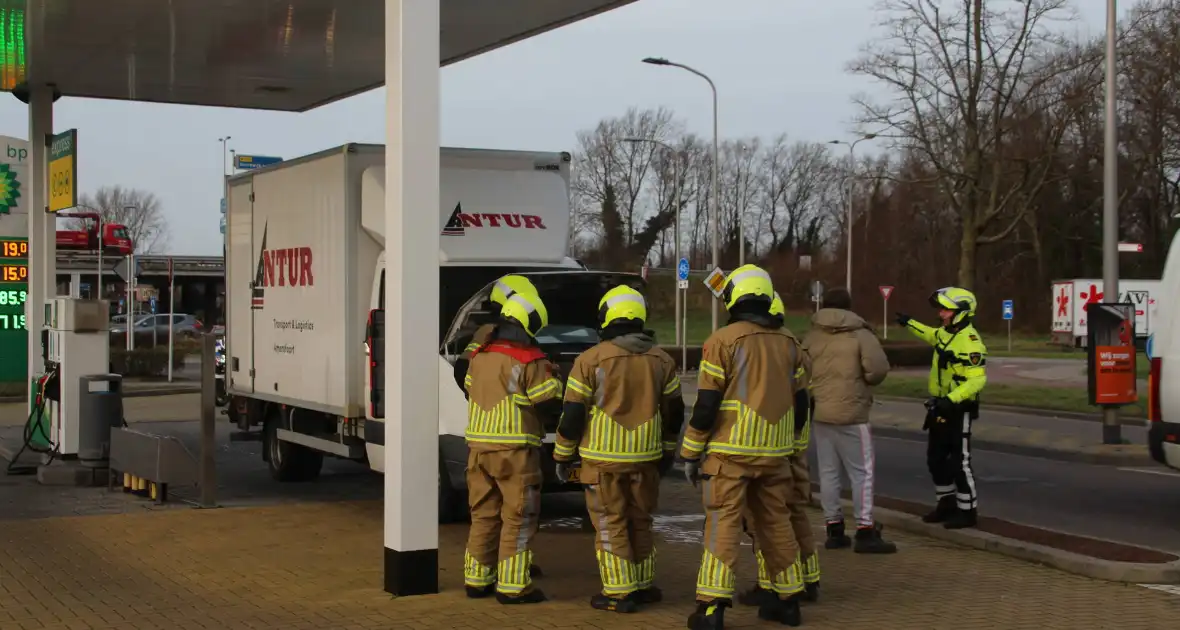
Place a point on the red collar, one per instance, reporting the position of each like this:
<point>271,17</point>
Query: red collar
<point>522,353</point>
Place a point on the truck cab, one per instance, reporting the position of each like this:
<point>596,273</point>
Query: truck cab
<point>115,239</point>
<point>1163,382</point>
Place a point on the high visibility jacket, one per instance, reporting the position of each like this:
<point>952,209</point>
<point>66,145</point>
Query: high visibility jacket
<point>626,394</point>
<point>756,370</point>
<point>505,382</point>
<point>958,370</point>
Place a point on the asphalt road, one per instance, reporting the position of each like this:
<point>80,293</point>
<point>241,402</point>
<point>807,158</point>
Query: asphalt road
<point>1139,506</point>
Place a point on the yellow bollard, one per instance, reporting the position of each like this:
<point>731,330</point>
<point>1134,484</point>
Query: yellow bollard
<point>126,482</point>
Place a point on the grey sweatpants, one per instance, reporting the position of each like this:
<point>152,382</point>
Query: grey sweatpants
<point>847,448</point>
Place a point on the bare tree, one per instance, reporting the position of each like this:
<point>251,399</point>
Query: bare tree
<point>964,74</point>
<point>137,210</point>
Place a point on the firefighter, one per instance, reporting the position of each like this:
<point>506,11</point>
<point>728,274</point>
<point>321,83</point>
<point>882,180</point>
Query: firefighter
<point>512,392</point>
<point>504,288</point>
<point>957,376</point>
<point>737,441</point>
<point>623,409</point>
<point>807,563</point>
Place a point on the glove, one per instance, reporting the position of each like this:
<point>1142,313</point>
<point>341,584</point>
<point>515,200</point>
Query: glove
<point>903,319</point>
<point>562,471</point>
<point>942,407</point>
<point>692,471</point>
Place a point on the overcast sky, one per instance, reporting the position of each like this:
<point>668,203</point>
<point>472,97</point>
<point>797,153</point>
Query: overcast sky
<point>778,64</point>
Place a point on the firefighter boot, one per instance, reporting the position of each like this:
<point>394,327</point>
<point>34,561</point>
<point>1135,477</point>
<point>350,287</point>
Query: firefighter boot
<point>649,595</point>
<point>784,611</point>
<point>755,596</point>
<point>614,604</point>
<point>534,596</point>
<point>945,509</point>
<point>535,571</point>
<point>837,539</point>
<point>811,592</point>
<point>480,592</point>
<point>868,540</point>
<point>708,615</point>
<point>962,519</point>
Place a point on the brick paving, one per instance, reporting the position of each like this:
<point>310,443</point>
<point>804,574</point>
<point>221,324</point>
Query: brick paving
<point>318,565</point>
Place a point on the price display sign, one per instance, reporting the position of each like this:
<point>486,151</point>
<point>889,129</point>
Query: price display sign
<point>14,273</point>
<point>14,248</point>
<point>12,308</point>
<point>13,333</point>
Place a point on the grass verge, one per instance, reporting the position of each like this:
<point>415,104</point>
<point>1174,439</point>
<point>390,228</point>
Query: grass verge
<point>1049,398</point>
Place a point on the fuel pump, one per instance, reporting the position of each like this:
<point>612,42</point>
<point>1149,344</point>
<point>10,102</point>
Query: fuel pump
<point>78,344</point>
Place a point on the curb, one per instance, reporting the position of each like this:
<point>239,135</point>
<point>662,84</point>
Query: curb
<point>1042,452</point>
<point>1035,411</point>
<point>131,393</point>
<point>1109,570</point>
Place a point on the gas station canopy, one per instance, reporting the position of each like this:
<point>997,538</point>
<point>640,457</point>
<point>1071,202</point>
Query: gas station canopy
<point>286,55</point>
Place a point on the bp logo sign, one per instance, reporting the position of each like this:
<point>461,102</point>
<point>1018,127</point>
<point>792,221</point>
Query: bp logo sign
<point>9,189</point>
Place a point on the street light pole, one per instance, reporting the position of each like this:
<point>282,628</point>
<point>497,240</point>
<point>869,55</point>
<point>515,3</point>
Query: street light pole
<point>848,231</point>
<point>657,61</point>
<point>676,174</point>
<point>1111,429</point>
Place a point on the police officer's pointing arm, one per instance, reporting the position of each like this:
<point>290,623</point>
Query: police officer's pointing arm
<point>972,359</point>
<point>710,388</point>
<point>579,392</point>
<point>918,329</point>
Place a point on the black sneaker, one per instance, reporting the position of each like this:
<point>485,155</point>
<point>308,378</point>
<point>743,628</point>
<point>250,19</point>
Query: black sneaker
<point>784,611</point>
<point>811,592</point>
<point>962,519</point>
<point>649,595</point>
<point>756,596</point>
<point>945,509</point>
<point>709,615</point>
<point>868,540</point>
<point>534,596</point>
<point>837,539</point>
<point>614,604</point>
<point>480,592</point>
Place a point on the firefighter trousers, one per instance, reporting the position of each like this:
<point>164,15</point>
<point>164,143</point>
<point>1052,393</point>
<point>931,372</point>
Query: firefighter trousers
<point>763,492</point>
<point>620,505</point>
<point>807,561</point>
<point>948,456</point>
<point>504,494</point>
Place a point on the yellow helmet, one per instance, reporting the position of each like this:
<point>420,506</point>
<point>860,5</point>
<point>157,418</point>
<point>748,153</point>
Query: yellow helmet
<point>747,281</point>
<point>776,306</point>
<point>528,310</point>
<point>621,302</point>
<point>510,285</point>
<point>961,301</point>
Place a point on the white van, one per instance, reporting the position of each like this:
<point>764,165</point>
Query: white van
<point>1163,385</point>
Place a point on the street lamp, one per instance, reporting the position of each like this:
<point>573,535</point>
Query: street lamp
<point>659,61</point>
<point>676,174</point>
<point>1111,428</point>
<point>851,168</point>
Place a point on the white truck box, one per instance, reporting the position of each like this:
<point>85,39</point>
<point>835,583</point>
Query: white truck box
<point>1070,298</point>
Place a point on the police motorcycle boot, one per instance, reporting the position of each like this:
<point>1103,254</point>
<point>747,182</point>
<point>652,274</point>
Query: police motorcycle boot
<point>945,509</point>
<point>868,540</point>
<point>962,519</point>
<point>755,596</point>
<point>480,592</point>
<point>709,615</point>
<point>649,595</point>
<point>614,604</point>
<point>534,596</point>
<point>785,611</point>
<point>837,539</point>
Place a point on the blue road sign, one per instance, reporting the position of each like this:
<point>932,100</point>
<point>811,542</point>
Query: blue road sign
<point>682,269</point>
<point>152,305</point>
<point>223,205</point>
<point>1150,347</point>
<point>1008,309</point>
<point>247,162</point>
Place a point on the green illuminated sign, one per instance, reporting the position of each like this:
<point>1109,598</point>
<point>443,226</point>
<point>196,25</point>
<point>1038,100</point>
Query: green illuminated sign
<point>12,48</point>
<point>14,351</point>
<point>9,189</point>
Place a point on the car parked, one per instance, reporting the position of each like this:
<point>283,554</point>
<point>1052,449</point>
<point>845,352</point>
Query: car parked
<point>148,327</point>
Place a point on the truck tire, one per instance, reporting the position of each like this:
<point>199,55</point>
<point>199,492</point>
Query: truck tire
<point>287,461</point>
<point>450,508</point>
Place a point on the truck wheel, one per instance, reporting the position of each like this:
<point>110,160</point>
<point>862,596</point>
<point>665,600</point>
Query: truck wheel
<point>449,508</point>
<point>287,461</point>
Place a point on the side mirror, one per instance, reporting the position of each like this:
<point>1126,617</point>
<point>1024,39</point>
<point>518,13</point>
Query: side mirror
<point>375,340</point>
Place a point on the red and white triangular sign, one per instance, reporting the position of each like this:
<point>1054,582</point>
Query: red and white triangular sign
<point>886,291</point>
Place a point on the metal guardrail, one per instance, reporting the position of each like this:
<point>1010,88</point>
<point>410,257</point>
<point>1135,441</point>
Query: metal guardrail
<point>149,264</point>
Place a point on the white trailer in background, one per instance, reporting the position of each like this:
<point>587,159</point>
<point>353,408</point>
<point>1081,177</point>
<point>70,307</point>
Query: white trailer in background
<point>1070,298</point>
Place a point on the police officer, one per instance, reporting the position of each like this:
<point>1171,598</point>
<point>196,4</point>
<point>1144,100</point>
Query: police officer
<point>623,409</point>
<point>957,376</point>
<point>504,288</point>
<point>737,441</point>
<point>807,563</point>
<point>512,390</point>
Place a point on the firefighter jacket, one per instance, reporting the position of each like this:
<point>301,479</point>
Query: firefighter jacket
<point>745,408</point>
<point>958,370</point>
<point>505,383</point>
<point>623,404</point>
<point>481,336</point>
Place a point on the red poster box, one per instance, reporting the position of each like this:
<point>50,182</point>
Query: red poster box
<point>1111,354</point>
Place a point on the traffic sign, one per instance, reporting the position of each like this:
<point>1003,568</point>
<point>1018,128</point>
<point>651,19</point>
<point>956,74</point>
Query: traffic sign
<point>817,290</point>
<point>716,282</point>
<point>805,263</point>
<point>1009,309</point>
<point>682,285</point>
<point>886,291</point>
<point>247,162</point>
<point>1131,248</point>
<point>152,304</point>
<point>63,171</point>
<point>1150,347</point>
<point>682,269</point>
<point>123,270</point>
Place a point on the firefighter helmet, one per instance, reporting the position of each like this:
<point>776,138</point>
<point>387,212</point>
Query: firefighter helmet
<point>621,303</point>
<point>776,306</point>
<point>748,282</point>
<point>510,285</point>
<point>527,310</point>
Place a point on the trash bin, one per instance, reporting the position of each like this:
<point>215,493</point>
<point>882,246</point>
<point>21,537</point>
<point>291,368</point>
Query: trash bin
<point>100,409</point>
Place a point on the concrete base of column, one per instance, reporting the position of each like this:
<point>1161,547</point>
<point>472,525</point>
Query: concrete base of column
<point>411,572</point>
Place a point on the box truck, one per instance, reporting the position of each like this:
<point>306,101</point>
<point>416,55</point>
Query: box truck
<point>1070,298</point>
<point>305,293</point>
<point>1163,381</point>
